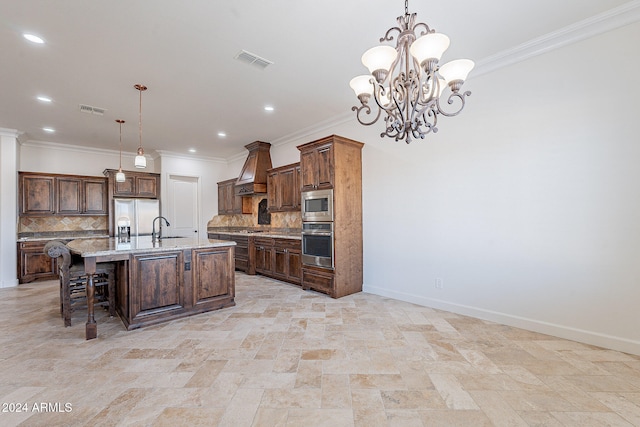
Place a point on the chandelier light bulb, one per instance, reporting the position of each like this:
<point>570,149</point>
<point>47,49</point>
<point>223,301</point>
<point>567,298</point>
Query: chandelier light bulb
<point>362,85</point>
<point>429,46</point>
<point>379,60</point>
<point>456,70</point>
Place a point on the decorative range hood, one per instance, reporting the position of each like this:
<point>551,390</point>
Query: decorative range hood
<point>253,177</point>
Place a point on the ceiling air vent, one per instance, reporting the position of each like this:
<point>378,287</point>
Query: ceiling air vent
<point>252,59</point>
<point>92,110</point>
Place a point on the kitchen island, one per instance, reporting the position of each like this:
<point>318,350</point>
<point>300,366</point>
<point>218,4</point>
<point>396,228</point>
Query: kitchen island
<point>162,280</point>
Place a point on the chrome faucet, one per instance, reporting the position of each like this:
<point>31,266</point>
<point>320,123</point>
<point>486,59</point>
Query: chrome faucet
<point>153,228</point>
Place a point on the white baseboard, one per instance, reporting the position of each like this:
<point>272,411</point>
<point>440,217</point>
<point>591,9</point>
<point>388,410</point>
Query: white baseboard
<point>8,283</point>
<point>574,334</point>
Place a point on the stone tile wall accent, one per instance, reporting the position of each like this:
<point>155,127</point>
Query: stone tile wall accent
<point>278,219</point>
<point>29,224</point>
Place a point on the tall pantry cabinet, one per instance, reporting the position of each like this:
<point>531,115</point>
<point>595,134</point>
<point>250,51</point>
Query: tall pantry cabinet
<point>335,163</point>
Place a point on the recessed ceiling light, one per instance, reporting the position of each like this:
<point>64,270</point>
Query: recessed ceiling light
<point>222,134</point>
<point>192,150</point>
<point>268,108</point>
<point>47,129</point>
<point>33,38</point>
<point>44,98</point>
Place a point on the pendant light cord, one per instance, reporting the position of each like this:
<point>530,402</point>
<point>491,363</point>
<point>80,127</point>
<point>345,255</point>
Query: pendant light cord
<point>140,118</point>
<point>120,121</point>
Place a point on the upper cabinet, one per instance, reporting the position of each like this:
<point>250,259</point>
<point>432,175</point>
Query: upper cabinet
<point>228,202</point>
<point>283,188</point>
<point>36,194</point>
<point>136,184</point>
<point>51,194</point>
<point>316,165</point>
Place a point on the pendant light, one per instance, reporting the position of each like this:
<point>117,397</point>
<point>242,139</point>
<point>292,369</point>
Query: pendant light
<point>141,161</point>
<point>120,174</point>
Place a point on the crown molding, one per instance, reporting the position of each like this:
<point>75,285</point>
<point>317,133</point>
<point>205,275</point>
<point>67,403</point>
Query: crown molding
<point>68,147</point>
<point>182,156</point>
<point>617,17</point>
<point>326,125</point>
<point>12,133</point>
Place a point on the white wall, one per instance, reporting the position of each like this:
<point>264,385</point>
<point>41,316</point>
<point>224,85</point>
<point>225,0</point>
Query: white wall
<point>526,205</point>
<point>69,159</point>
<point>209,172</point>
<point>8,207</point>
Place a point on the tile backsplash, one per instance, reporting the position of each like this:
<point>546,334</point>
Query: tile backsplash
<point>37,224</point>
<point>278,219</point>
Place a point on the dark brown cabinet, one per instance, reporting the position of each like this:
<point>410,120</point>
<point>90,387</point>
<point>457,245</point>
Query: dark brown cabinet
<point>278,258</point>
<point>67,195</point>
<point>136,184</point>
<point>36,194</point>
<point>283,188</point>
<point>316,166</point>
<point>287,263</point>
<point>229,203</point>
<point>241,249</point>
<point>264,256</point>
<point>336,162</point>
<point>160,284</point>
<point>154,287</point>
<point>34,264</point>
<point>95,196</point>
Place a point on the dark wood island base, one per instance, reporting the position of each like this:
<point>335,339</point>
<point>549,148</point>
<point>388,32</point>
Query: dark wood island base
<point>161,281</point>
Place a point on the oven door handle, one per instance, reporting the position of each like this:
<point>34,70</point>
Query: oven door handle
<point>317,233</point>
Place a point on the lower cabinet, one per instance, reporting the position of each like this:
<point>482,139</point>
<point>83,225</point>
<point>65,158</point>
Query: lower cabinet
<point>264,256</point>
<point>160,286</point>
<point>279,258</point>
<point>158,289</point>
<point>242,249</point>
<point>319,279</point>
<point>287,260</point>
<point>34,264</point>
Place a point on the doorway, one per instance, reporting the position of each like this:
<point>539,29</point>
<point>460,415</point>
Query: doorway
<point>183,206</point>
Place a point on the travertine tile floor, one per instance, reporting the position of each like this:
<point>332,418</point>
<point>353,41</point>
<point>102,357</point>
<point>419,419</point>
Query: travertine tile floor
<point>285,357</point>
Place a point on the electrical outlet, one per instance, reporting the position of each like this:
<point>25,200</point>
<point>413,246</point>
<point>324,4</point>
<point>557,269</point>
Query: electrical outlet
<point>439,284</point>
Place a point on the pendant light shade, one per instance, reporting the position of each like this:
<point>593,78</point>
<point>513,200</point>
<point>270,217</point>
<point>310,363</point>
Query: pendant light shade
<point>140,161</point>
<point>120,175</point>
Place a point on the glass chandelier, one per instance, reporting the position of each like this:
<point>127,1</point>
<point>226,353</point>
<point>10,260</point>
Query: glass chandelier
<point>120,175</point>
<point>140,161</point>
<point>407,82</point>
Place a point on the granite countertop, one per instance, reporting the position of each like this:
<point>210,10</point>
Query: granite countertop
<point>113,246</point>
<point>60,235</point>
<point>274,233</point>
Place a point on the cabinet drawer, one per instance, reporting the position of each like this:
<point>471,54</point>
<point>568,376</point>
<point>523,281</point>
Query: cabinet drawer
<point>317,280</point>
<point>263,241</point>
<point>291,244</point>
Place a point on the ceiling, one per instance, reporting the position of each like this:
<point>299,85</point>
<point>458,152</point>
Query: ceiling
<point>96,51</point>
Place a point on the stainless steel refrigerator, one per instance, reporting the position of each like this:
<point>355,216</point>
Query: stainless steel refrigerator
<point>138,212</point>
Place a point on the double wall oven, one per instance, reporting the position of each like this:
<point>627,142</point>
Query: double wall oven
<point>317,228</point>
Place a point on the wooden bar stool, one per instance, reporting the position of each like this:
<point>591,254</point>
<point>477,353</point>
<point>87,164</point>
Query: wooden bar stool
<point>73,281</point>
